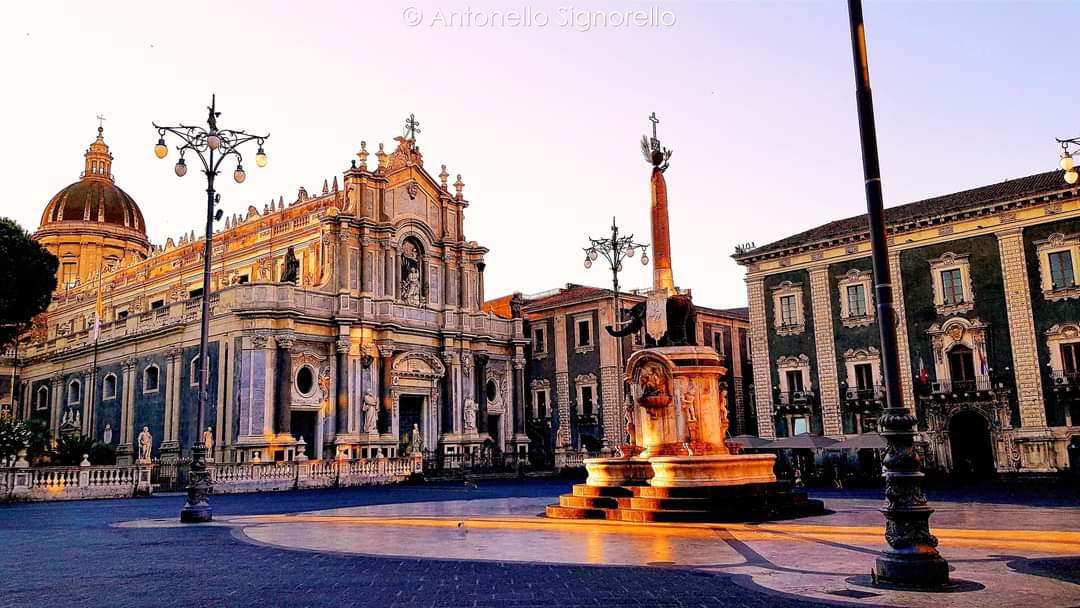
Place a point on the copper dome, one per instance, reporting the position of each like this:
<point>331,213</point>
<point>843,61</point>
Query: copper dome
<point>93,199</point>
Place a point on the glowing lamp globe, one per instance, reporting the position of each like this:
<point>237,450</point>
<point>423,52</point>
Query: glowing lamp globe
<point>1071,176</point>
<point>161,150</point>
<point>588,263</point>
<point>1067,161</point>
<point>239,174</point>
<point>213,141</point>
<point>180,168</point>
<point>260,158</point>
<point>644,260</point>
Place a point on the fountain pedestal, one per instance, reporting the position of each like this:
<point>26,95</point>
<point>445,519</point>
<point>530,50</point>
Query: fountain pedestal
<point>685,471</point>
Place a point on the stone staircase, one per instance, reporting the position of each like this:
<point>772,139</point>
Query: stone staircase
<point>710,504</point>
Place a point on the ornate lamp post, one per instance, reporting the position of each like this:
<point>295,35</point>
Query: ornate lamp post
<point>912,559</point>
<point>615,249</point>
<point>211,146</point>
<point>1067,164</point>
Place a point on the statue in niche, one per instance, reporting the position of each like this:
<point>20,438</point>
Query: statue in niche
<point>146,443</point>
<point>416,446</point>
<point>371,414</point>
<point>290,273</point>
<point>471,408</point>
<point>411,287</point>
<point>687,400</point>
<point>106,435</point>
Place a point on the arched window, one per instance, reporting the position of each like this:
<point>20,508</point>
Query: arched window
<point>150,379</point>
<point>74,391</point>
<point>108,387</point>
<point>42,398</point>
<point>193,371</point>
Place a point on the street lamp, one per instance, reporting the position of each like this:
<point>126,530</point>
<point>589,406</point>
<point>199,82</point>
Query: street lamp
<point>615,249</point>
<point>211,146</point>
<point>1067,163</point>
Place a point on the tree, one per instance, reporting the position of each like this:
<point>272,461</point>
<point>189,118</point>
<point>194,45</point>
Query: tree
<point>28,276</point>
<point>14,436</point>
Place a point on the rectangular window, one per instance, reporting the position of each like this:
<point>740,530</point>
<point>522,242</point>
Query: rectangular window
<point>856,298</point>
<point>586,400</point>
<point>121,314</point>
<point>195,293</point>
<point>794,380</point>
<point>799,426</point>
<point>584,333</point>
<point>952,287</point>
<point>718,342</point>
<point>70,273</point>
<point>1061,270</point>
<point>157,304</point>
<point>864,376</point>
<point>787,311</point>
<point>541,404</point>
<point>1070,357</point>
<point>243,279</point>
<point>539,346</point>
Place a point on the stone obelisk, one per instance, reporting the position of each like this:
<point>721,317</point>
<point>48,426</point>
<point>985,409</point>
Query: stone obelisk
<point>663,279</point>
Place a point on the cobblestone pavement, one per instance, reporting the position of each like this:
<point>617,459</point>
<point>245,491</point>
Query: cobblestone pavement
<point>71,554</point>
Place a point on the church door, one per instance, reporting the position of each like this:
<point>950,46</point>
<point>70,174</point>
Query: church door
<point>410,412</point>
<point>972,453</point>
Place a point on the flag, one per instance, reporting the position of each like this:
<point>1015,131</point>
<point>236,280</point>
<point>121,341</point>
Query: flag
<point>982,363</point>
<point>922,372</point>
<point>99,309</point>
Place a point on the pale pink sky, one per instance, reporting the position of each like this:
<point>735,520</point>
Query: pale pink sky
<point>543,121</point>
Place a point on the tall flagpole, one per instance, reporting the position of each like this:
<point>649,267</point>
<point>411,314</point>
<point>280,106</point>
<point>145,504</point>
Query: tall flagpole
<point>911,559</point>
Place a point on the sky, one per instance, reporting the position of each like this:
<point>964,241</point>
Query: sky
<point>540,107</point>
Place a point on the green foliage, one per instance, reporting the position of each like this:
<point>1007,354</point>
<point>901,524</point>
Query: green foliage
<point>28,277</point>
<point>14,436</point>
<point>70,450</point>
<point>39,445</point>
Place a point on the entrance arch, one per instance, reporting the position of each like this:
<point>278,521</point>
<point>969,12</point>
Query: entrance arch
<point>972,451</point>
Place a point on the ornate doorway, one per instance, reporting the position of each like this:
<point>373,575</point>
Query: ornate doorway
<point>410,412</point>
<point>972,452</point>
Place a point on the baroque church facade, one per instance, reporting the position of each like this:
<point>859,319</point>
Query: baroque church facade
<point>986,290</point>
<point>379,329</point>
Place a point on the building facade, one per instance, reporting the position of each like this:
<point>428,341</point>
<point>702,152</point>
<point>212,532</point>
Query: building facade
<point>574,382</point>
<point>376,329</point>
<point>985,283</point>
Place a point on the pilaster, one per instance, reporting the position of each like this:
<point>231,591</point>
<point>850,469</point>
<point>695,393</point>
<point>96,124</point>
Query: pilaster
<point>825,346</point>
<point>1022,336</point>
<point>907,383</point>
<point>562,382</point>
<point>759,347</point>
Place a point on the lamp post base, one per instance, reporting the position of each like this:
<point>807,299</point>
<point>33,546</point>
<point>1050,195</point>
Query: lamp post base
<point>913,570</point>
<point>197,508</point>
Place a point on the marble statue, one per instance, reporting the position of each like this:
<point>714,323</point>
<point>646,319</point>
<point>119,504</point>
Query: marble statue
<point>471,408</point>
<point>291,271</point>
<point>417,446</point>
<point>208,440</point>
<point>77,419</point>
<point>371,414</point>
<point>106,435</point>
<point>410,288</point>
<point>146,443</point>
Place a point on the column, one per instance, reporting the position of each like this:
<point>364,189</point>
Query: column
<point>1029,391</point>
<point>759,350</point>
<point>386,351</point>
<point>341,417</point>
<point>125,447</point>
<point>480,382</point>
<point>168,440</point>
<point>907,383</point>
<point>451,418</point>
<point>480,283</point>
<point>463,286</point>
<point>448,287</point>
<point>825,344</point>
<point>283,384</point>
<point>89,400</point>
<point>57,404</point>
<point>519,392</point>
<point>611,383</point>
<point>389,287</point>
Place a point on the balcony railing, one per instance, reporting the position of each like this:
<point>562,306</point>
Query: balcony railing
<point>961,387</point>
<point>795,400</point>
<point>875,392</point>
<point>1064,379</point>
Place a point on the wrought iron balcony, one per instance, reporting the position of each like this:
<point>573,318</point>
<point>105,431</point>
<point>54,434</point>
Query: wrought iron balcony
<point>864,399</point>
<point>978,388</point>
<point>586,420</point>
<point>1065,381</point>
<point>789,401</point>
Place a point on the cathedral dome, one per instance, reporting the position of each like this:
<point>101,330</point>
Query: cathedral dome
<point>93,225</point>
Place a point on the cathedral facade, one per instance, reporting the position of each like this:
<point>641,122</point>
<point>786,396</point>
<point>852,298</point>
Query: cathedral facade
<point>345,323</point>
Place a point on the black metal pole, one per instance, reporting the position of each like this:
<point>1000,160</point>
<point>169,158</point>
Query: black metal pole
<point>197,508</point>
<point>912,559</point>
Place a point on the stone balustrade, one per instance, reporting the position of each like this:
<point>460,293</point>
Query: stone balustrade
<point>22,483</point>
<point>301,475</point>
